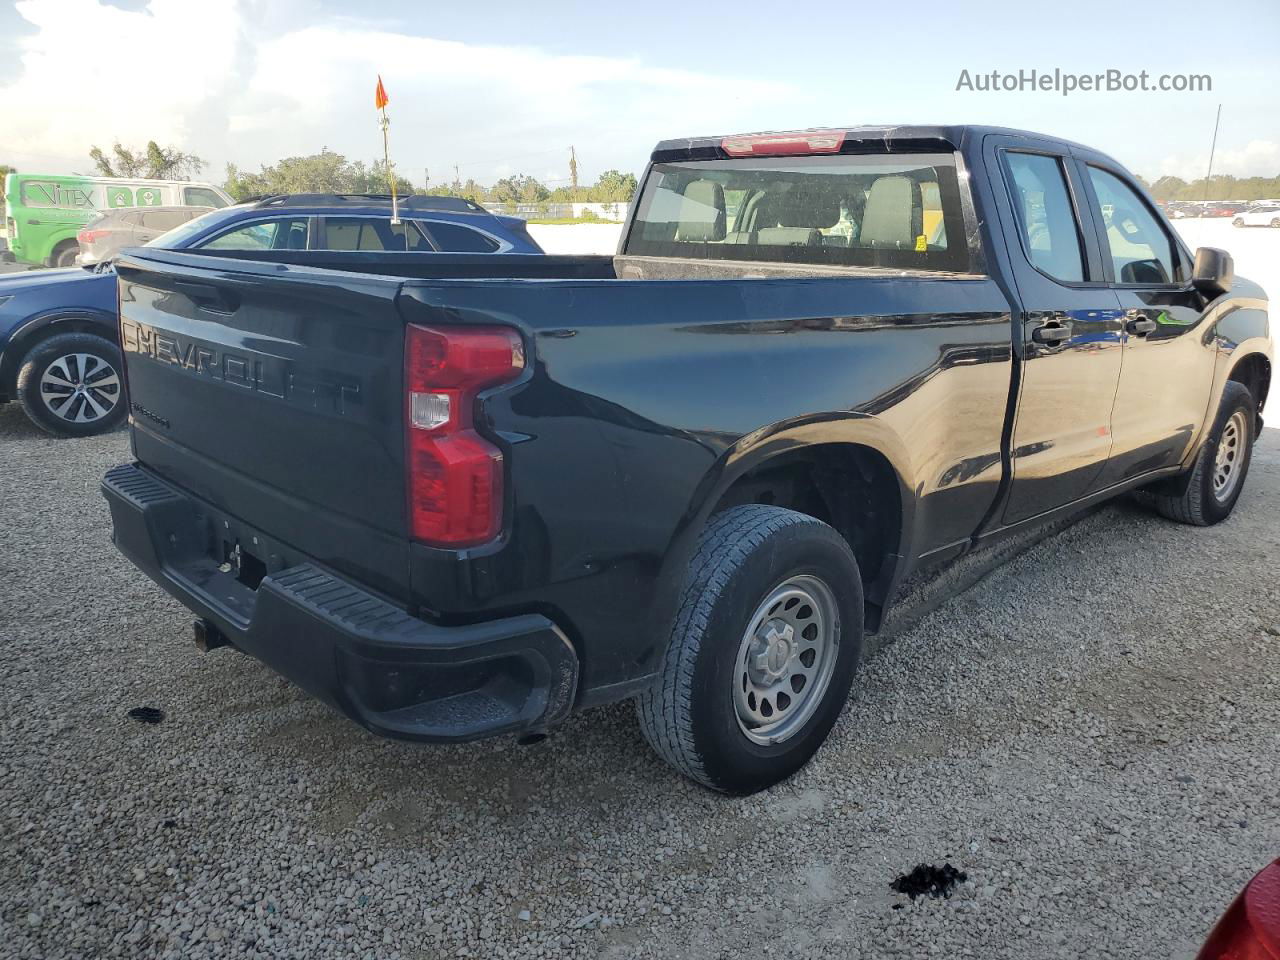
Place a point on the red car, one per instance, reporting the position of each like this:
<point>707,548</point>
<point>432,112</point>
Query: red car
<point>1250,929</point>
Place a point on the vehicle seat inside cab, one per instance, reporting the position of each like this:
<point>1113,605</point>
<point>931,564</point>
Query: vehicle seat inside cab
<point>894,214</point>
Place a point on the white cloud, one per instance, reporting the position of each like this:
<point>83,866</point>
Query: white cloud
<point>212,77</point>
<point>93,73</point>
<point>1257,158</point>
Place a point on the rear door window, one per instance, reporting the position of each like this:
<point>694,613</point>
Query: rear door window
<point>372,233</point>
<point>1046,218</point>
<point>850,210</point>
<point>163,220</point>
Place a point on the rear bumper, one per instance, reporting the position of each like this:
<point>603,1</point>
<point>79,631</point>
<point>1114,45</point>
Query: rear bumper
<point>392,673</point>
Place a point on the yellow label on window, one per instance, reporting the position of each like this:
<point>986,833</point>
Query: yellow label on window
<point>922,243</point>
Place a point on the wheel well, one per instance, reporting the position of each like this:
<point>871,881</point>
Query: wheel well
<point>1254,371</point>
<point>851,487</point>
<point>18,348</point>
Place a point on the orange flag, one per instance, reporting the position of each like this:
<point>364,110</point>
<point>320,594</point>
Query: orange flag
<point>380,95</point>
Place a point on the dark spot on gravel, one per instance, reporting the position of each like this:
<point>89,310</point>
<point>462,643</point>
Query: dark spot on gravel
<point>929,880</point>
<point>147,714</point>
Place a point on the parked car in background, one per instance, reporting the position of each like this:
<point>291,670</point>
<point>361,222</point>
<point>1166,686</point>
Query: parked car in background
<point>1181,209</point>
<point>1261,215</point>
<point>1224,208</point>
<point>43,213</point>
<point>108,233</point>
<point>691,474</point>
<point>59,354</point>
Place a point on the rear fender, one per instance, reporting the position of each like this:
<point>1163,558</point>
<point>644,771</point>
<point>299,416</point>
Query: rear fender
<point>756,449</point>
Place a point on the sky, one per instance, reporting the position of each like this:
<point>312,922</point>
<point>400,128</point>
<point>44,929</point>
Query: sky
<point>500,87</point>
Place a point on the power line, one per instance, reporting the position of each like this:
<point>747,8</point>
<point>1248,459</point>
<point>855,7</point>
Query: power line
<point>1212,146</point>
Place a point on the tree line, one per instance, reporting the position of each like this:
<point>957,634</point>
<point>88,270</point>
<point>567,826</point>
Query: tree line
<point>330,172</point>
<point>1221,187</point>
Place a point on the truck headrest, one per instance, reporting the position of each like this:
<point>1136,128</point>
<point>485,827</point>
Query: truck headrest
<point>702,216</point>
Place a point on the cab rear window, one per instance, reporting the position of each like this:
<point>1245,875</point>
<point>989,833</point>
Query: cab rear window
<point>845,210</point>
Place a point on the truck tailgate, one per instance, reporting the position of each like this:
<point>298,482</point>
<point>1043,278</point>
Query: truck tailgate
<point>274,393</point>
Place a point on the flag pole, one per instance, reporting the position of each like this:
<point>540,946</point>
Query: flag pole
<point>385,122</point>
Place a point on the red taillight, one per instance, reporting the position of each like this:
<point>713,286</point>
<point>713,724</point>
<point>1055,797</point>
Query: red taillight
<point>89,236</point>
<point>801,143</point>
<point>454,474</point>
<point>1250,929</point>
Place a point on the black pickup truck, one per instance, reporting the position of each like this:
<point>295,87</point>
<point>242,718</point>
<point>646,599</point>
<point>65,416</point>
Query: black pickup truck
<point>465,496</point>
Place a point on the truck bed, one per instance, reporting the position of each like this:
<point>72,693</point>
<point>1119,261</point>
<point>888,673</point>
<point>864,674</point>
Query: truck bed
<point>273,391</point>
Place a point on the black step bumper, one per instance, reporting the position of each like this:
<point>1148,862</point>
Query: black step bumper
<point>394,674</point>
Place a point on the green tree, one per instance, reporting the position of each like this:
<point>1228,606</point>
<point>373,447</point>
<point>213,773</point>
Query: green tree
<point>1167,188</point>
<point>323,172</point>
<point>613,187</point>
<point>153,162</point>
<point>518,189</point>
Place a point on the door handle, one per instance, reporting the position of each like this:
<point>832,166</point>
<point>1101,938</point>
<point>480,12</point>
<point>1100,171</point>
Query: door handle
<point>1140,326</point>
<point>1052,332</point>
<point>208,296</point>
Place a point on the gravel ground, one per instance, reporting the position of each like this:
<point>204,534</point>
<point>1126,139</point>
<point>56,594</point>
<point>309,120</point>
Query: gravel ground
<point>1089,733</point>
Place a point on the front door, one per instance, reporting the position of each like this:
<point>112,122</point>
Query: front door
<point>1071,335</point>
<point>1168,356</point>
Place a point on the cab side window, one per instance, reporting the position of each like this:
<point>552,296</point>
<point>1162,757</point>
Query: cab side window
<point>1046,219</point>
<point>201,197</point>
<point>1141,252</point>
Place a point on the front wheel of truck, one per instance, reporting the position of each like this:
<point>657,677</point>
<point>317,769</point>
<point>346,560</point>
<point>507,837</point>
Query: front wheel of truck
<point>763,651</point>
<point>1213,486</point>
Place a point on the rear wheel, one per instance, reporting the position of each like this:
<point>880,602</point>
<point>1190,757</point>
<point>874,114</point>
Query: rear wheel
<point>70,385</point>
<point>64,255</point>
<point>1237,222</point>
<point>1275,222</point>
<point>762,653</point>
<point>1219,472</point>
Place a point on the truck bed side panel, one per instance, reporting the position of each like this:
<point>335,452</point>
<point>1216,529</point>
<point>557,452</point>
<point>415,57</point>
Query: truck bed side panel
<point>644,392</point>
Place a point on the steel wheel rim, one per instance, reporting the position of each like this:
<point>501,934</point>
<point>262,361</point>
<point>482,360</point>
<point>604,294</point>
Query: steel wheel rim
<point>80,388</point>
<point>785,660</point>
<point>1228,459</point>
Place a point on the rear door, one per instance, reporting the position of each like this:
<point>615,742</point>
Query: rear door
<point>1168,367</point>
<point>1070,337</point>
<point>274,393</point>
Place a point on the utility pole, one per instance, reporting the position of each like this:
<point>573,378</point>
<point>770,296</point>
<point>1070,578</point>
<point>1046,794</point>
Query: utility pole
<point>457,177</point>
<point>1212,146</point>
<point>573,170</point>
<point>426,179</point>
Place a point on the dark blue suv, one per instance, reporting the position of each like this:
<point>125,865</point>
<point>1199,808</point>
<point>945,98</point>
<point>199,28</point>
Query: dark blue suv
<point>58,352</point>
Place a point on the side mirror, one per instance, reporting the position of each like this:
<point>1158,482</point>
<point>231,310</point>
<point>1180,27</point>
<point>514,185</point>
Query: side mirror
<point>1214,272</point>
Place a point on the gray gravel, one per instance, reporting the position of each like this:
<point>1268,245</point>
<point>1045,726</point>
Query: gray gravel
<point>1089,733</point>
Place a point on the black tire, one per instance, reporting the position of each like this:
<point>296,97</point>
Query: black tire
<point>1276,222</point>
<point>690,716</point>
<point>64,255</point>
<point>1200,503</point>
<point>59,358</point>
<point>1237,222</point>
